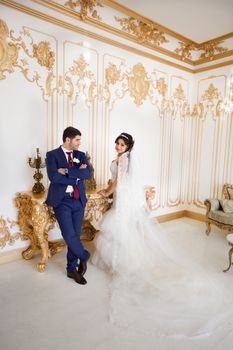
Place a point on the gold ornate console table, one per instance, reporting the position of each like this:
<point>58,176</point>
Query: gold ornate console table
<point>35,219</point>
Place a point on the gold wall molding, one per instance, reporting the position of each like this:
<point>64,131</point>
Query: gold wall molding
<point>81,73</point>
<point>87,33</point>
<point>184,51</point>
<point>216,57</point>
<point>35,59</point>
<point>118,81</point>
<point>112,75</point>
<point>214,66</point>
<point>207,51</point>
<point>17,52</point>
<point>214,114</point>
<point>86,6</point>
<point>116,84</point>
<point>177,119</point>
<point>131,13</point>
<point>138,84</point>
<point>61,23</point>
<point>115,88</point>
<point>146,32</point>
<point>77,80</point>
<point>212,102</point>
<point>211,49</point>
<point>142,85</point>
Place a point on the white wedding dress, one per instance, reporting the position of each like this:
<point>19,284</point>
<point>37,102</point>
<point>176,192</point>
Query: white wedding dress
<point>156,285</point>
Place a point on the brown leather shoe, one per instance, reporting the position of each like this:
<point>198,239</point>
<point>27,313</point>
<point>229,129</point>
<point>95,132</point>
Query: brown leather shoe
<point>83,266</point>
<point>76,276</point>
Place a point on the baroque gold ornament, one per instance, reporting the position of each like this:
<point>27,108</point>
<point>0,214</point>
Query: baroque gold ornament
<point>145,33</point>
<point>43,54</point>
<point>81,68</point>
<point>211,48</point>
<point>8,51</point>
<point>19,52</point>
<point>85,7</point>
<point>6,236</point>
<point>179,93</point>
<point>78,80</point>
<point>138,84</point>
<point>112,74</point>
<point>185,50</point>
<point>211,93</point>
<point>161,86</point>
<point>35,219</point>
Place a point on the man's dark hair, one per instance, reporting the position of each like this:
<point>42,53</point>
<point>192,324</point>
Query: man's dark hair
<point>70,132</point>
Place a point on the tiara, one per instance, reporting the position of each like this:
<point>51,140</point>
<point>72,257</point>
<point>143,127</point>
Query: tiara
<point>124,136</point>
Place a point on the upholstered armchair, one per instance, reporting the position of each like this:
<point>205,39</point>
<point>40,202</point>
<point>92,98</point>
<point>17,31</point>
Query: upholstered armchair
<point>220,211</point>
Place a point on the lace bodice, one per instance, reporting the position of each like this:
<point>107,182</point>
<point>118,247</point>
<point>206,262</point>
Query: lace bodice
<point>119,166</point>
<point>114,170</point>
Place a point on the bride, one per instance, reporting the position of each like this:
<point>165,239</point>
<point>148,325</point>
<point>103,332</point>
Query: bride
<point>156,286</point>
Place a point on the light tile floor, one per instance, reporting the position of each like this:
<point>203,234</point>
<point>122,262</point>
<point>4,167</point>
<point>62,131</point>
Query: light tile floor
<point>40,311</point>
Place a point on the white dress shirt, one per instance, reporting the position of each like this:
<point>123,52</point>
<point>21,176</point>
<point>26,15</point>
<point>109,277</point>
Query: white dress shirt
<point>69,188</point>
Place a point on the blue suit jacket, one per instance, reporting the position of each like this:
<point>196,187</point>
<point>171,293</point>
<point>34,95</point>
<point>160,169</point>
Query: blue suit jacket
<point>56,159</point>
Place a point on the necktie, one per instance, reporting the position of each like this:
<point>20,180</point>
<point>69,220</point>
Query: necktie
<point>75,187</point>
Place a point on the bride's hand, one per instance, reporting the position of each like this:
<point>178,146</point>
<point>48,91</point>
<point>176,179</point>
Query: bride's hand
<point>102,192</point>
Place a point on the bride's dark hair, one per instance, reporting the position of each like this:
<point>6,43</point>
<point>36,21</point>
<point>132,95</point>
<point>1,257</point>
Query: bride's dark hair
<point>128,140</point>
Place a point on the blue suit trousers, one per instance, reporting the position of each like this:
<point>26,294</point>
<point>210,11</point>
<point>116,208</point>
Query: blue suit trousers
<point>69,214</point>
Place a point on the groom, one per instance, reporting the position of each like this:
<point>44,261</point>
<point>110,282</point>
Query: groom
<point>67,169</point>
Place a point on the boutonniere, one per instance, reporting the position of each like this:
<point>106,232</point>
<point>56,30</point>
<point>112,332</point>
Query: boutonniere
<point>76,160</point>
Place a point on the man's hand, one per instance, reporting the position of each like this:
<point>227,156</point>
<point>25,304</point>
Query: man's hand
<point>62,171</point>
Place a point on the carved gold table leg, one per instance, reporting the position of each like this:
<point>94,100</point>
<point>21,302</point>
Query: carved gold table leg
<point>40,220</point>
<point>35,219</point>
<point>230,258</point>
<point>23,203</point>
<point>56,247</point>
<point>30,251</point>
